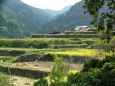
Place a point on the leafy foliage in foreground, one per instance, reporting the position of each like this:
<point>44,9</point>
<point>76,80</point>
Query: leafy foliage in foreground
<point>59,70</point>
<point>95,73</point>
<point>103,20</point>
<point>57,75</point>
<point>4,80</point>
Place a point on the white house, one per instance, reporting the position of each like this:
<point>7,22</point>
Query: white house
<point>1,60</point>
<point>81,27</point>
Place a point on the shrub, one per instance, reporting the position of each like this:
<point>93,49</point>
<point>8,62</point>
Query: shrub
<point>95,73</point>
<point>41,82</point>
<point>58,84</point>
<point>38,44</point>
<point>96,63</point>
<point>57,76</point>
<point>18,43</point>
<point>54,32</point>
<point>4,80</point>
<point>59,70</point>
<point>86,78</point>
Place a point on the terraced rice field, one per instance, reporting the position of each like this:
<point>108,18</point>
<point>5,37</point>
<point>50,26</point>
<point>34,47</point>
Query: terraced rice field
<point>67,46</point>
<point>79,52</point>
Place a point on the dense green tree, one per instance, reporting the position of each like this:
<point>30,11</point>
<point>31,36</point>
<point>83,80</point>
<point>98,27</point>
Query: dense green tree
<point>103,20</point>
<point>54,32</point>
<point>9,28</point>
<point>59,70</point>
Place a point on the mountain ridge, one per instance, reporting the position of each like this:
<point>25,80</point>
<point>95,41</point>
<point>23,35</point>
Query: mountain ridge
<point>29,19</point>
<point>57,12</point>
<point>69,20</point>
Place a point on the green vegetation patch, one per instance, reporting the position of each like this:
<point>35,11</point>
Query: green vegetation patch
<point>78,52</point>
<point>65,36</point>
<point>4,80</point>
<point>32,42</point>
<point>95,73</point>
<point>22,43</point>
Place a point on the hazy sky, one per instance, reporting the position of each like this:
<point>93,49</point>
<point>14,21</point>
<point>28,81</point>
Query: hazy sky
<point>50,4</point>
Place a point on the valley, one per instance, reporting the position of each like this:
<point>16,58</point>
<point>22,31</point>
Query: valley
<point>74,46</point>
<point>34,57</point>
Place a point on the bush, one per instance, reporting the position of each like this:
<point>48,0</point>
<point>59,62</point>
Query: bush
<point>96,63</point>
<point>94,77</point>
<point>87,78</point>
<point>18,43</point>
<point>59,70</point>
<point>95,73</point>
<point>4,80</point>
<point>38,44</point>
<point>54,32</point>
<point>58,84</point>
<point>41,82</point>
<point>57,76</point>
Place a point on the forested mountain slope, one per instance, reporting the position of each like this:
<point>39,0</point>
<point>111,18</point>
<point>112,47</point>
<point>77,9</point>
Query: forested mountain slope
<point>28,17</point>
<point>9,28</point>
<point>69,20</point>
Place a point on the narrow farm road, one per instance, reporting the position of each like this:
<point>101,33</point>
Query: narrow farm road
<point>22,81</point>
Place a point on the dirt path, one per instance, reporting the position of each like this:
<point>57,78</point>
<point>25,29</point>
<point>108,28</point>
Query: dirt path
<point>22,81</point>
<point>43,66</point>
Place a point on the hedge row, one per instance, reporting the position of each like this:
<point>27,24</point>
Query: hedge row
<point>65,36</point>
<point>70,46</point>
<point>80,32</point>
<point>23,43</point>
